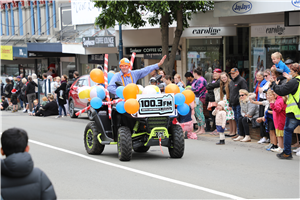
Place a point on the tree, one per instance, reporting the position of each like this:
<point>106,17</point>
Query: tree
<point>164,13</point>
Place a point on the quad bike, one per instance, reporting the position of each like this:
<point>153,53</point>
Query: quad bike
<point>151,126</point>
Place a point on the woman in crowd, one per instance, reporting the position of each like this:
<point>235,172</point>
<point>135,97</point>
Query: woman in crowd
<point>7,90</point>
<point>213,98</point>
<point>30,92</point>
<point>23,94</point>
<point>62,99</point>
<point>224,95</point>
<point>178,81</point>
<point>49,109</point>
<point>199,88</point>
<point>292,89</point>
<point>34,78</point>
<point>249,111</point>
<point>260,87</point>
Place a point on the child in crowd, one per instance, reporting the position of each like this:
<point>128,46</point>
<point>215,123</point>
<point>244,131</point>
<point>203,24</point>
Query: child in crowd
<point>19,178</point>
<point>186,122</point>
<point>45,101</point>
<point>4,103</point>
<point>36,107</point>
<point>14,100</point>
<point>220,114</point>
<point>267,119</point>
<point>56,85</point>
<point>281,67</point>
<point>278,105</point>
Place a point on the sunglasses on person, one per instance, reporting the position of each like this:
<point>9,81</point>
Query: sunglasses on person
<point>266,76</point>
<point>241,95</point>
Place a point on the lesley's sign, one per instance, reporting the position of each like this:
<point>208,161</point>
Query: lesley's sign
<point>100,41</point>
<point>242,7</point>
<point>209,31</point>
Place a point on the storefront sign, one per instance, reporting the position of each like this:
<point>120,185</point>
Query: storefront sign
<point>20,52</point>
<point>242,7</point>
<point>86,9</point>
<point>145,50</point>
<point>6,53</point>
<point>97,59</point>
<point>100,41</point>
<point>237,8</point>
<point>209,31</point>
<point>296,3</point>
<point>274,30</point>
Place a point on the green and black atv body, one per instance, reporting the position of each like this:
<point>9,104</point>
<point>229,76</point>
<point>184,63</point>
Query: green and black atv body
<point>151,126</point>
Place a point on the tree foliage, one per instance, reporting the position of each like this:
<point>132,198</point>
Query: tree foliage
<point>163,13</point>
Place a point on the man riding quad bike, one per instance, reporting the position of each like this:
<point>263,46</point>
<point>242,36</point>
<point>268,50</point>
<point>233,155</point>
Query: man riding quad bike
<point>150,126</point>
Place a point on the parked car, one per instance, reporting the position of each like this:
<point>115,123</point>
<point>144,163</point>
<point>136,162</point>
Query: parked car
<point>75,104</point>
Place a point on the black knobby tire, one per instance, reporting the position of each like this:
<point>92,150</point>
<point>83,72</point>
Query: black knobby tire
<point>124,144</point>
<point>91,143</point>
<point>141,149</point>
<point>72,109</point>
<point>176,148</point>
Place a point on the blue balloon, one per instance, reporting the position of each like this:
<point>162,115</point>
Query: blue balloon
<point>120,107</point>
<point>96,102</point>
<point>109,76</point>
<point>179,99</point>
<point>181,89</point>
<point>119,92</point>
<point>183,109</point>
<point>100,93</point>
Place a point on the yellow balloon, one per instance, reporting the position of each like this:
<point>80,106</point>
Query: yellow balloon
<point>156,88</point>
<point>84,94</point>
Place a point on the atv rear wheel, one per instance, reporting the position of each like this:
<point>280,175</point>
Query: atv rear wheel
<point>91,143</point>
<point>141,149</point>
<point>176,148</point>
<point>124,144</point>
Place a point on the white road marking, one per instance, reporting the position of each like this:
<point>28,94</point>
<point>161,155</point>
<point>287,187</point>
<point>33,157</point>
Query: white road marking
<point>139,171</point>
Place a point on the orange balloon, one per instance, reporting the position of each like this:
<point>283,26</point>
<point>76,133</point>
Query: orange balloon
<point>189,96</point>
<point>172,88</point>
<point>131,106</point>
<point>97,76</point>
<point>130,91</point>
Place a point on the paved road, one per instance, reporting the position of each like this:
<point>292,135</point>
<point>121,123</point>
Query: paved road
<point>206,171</point>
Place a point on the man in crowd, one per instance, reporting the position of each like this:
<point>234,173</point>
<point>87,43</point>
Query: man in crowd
<point>18,87</point>
<point>235,85</point>
<point>46,84</point>
<point>75,75</point>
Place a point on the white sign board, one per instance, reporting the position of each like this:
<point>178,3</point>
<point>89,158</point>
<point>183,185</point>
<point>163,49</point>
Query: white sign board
<point>156,105</point>
<point>237,8</point>
<point>274,30</point>
<point>84,12</point>
<point>209,31</point>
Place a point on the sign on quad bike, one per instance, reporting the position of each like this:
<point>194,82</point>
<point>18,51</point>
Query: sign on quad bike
<point>150,126</point>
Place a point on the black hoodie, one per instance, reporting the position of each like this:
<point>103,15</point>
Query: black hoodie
<point>234,87</point>
<point>20,180</point>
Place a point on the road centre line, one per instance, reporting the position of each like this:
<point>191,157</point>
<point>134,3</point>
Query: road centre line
<point>139,171</point>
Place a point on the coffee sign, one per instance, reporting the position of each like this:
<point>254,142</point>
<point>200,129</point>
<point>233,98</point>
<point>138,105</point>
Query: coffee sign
<point>100,41</point>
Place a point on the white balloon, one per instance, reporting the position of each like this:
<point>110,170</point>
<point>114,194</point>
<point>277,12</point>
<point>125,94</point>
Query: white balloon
<point>141,88</point>
<point>149,90</point>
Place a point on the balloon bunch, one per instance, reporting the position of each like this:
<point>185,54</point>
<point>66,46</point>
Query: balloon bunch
<point>182,98</point>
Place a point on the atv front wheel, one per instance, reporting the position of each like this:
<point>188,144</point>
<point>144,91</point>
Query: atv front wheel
<point>91,143</point>
<point>141,149</point>
<point>176,148</point>
<point>124,144</point>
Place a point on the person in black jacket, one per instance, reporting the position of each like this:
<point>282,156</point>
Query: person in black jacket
<point>30,92</point>
<point>2,88</point>
<point>19,178</point>
<point>211,98</point>
<point>62,100</point>
<point>18,87</point>
<point>235,85</point>
<point>49,109</point>
<point>8,88</point>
